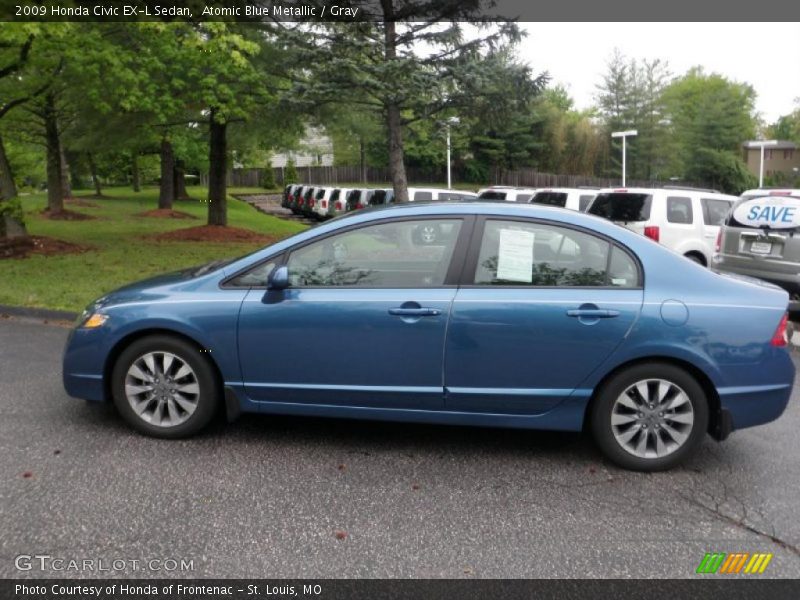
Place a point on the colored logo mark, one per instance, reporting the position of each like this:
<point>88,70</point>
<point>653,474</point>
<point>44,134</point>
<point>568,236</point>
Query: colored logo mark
<point>740,562</point>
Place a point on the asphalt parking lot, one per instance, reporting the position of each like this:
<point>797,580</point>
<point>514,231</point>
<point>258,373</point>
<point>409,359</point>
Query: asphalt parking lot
<point>288,497</point>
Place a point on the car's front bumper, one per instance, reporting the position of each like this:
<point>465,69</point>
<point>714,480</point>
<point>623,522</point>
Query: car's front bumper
<point>83,364</point>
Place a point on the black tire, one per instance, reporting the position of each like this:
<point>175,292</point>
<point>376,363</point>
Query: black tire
<point>207,400</point>
<point>604,405</point>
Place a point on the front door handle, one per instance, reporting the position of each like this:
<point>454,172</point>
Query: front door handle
<point>592,313</point>
<point>415,312</point>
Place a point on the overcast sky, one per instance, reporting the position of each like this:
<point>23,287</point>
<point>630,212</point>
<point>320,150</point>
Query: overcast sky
<point>765,55</point>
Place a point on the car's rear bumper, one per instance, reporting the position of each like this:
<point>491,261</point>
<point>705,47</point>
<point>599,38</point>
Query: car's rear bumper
<point>751,405</point>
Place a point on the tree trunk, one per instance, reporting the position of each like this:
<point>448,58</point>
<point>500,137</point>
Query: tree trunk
<point>135,176</point>
<point>217,173</point>
<point>167,187</point>
<point>363,158</point>
<point>9,226</point>
<point>55,193</point>
<point>397,167</point>
<point>179,184</point>
<point>95,179</point>
<point>66,186</point>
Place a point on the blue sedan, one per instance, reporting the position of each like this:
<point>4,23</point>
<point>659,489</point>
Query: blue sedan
<point>509,316</point>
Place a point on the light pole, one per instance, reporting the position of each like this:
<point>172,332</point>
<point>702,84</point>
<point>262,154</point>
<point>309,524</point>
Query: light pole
<point>762,143</point>
<point>448,123</point>
<point>623,135</point>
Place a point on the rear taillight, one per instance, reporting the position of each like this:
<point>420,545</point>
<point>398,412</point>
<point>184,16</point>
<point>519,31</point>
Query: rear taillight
<point>359,205</point>
<point>311,203</point>
<point>324,204</point>
<point>781,339</point>
<point>718,244</point>
<point>339,206</point>
<point>301,202</point>
<point>653,232</point>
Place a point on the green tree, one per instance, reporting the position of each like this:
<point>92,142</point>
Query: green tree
<point>412,62</point>
<point>710,116</point>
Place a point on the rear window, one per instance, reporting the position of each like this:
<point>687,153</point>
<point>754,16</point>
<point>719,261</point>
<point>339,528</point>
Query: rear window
<point>622,206</point>
<point>492,195</point>
<point>381,197</point>
<point>334,195</point>
<point>550,198</point>
<point>320,193</point>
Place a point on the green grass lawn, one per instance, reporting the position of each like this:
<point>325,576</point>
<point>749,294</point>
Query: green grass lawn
<point>120,251</point>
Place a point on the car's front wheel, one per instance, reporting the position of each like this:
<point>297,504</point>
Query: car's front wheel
<point>650,417</point>
<point>163,386</point>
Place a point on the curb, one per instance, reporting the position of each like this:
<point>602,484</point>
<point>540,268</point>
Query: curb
<point>37,313</point>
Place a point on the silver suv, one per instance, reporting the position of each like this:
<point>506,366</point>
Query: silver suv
<point>761,238</point>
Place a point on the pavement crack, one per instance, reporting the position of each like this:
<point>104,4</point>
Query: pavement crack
<point>740,523</point>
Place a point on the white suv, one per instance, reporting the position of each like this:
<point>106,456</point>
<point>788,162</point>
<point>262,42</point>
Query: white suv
<point>571,198</point>
<point>507,193</point>
<point>685,220</point>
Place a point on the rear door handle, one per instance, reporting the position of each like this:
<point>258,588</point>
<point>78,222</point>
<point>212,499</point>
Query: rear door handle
<point>415,312</point>
<point>592,313</point>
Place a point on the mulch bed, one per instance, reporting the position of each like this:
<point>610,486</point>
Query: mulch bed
<point>66,215</point>
<point>165,213</point>
<point>82,203</point>
<point>214,233</point>
<point>37,244</point>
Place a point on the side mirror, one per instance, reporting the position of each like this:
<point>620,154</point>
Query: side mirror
<point>278,279</point>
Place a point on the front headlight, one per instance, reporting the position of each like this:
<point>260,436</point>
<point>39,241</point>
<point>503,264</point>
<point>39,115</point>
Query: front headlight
<point>94,321</point>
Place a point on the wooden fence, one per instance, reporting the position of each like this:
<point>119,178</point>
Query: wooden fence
<point>527,177</point>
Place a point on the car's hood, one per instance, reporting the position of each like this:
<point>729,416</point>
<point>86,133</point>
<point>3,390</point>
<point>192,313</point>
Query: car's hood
<point>154,287</point>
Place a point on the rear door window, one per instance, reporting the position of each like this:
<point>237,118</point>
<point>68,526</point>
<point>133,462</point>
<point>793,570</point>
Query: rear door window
<point>622,206</point>
<point>714,210</point>
<point>679,210</point>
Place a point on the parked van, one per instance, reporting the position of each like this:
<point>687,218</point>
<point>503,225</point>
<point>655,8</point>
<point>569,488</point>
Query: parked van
<point>288,195</point>
<point>322,197</point>
<point>338,201</point>
<point>759,239</point>
<point>297,201</point>
<point>507,193</point>
<point>307,201</point>
<point>571,198</point>
<point>686,220</point>
<point>359,198</point>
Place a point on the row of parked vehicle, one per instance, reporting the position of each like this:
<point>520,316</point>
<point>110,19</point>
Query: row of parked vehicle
<point>693,222</point>
<point>324,202</point>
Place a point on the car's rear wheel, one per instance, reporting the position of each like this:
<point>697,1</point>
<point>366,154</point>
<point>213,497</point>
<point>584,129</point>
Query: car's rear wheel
<point>650,417</point>
<point>163,386</point>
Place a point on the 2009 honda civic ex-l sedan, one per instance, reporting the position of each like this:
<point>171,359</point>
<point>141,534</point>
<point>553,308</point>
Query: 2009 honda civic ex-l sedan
<point>515,316</point>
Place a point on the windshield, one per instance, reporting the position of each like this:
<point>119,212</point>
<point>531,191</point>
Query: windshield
<point>622,206</point>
